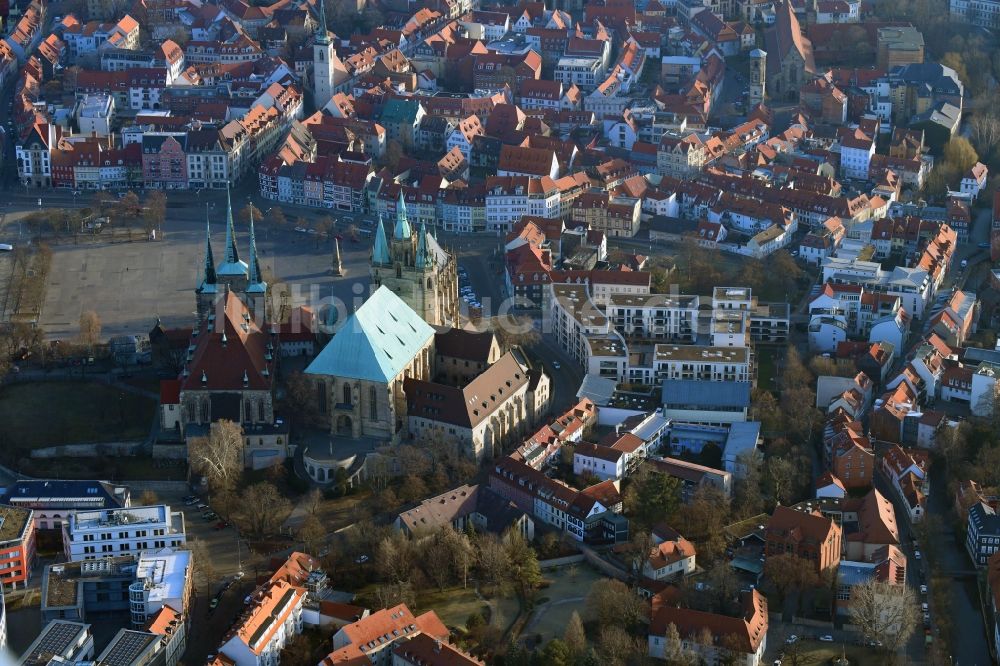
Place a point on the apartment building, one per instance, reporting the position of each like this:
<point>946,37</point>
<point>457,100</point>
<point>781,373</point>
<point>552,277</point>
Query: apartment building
<point>509,198</point>
<point>89,535</point>
<point>655,316</point>
<point>273,617</point>
<point>163,578</point>
<point>17,546</point>
<point>701,363</point>
<point>60,641</point>
<point>583,72</point>
<point>53,501</point>
<point>372,639</point>
<point>982,539</point>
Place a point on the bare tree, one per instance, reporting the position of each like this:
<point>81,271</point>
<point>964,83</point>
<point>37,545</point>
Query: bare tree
<point>575,636</point>
<point>457,550</point>
<point>264,508</point>
<point>156,211</point>
<point>202,563</point>
<point>885,612</point>
<point>674,650</point>
<point>492,560</point>
<point>314,499</point>
<point>611,602</point>
<point>312,534</point>
<point>394,558</point>
<point>90,328</point>
<point>219,457</point>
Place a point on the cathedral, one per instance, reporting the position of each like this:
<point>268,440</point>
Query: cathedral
<point>417,269</point>
<point>232,274</point>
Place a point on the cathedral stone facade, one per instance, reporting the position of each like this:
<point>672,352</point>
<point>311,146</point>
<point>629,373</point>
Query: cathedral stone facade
<point>417,269</point>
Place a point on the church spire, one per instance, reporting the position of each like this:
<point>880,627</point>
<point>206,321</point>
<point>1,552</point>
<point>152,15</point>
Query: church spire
<point>232,256</point>
<point>257,283</point>
<point>208,276</point>
<point>380,254</point>
<point>322,33</point>
<point>403,231</point>
<point>231,267</point>
<point>423,250</point>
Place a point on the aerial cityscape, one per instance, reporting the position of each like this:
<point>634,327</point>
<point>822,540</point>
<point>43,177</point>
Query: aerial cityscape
<point>466,332</point>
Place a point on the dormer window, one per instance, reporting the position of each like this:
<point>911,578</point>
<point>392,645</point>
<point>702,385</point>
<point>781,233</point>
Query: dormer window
<point>204,378</point>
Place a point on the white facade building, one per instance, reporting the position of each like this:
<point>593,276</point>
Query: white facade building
<point>89,535</point>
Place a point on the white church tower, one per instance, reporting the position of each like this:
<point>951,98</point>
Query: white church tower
<point>324,61</point>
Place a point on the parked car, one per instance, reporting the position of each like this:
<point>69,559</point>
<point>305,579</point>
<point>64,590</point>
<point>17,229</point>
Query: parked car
<point>985,246</point>
<point>221,525</point>
<point>555,365</point>
<point>791,639</point>
<point>361,559</point>
<point>213,604</point>
<point>923,589</point>
<point>826,639</point>
<point>916,554</point>
<point>923,607</point>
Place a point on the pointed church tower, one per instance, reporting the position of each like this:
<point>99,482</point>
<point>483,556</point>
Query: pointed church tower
<point>425,259</point>
<point>380,253</point>
<point>402,229</point>
<point>257,284</point>
<point>233,271</point>
<point>256,294</point>
<point>324,62</point>
<point>209,286</point>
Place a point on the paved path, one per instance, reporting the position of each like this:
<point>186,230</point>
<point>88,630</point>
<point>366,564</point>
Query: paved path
<point>541,609</point>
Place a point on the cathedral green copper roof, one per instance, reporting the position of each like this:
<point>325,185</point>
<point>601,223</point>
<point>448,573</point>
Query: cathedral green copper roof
<point>380,253</point>
<point>376,343</point>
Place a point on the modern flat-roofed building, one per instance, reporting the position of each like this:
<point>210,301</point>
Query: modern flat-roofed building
<point>54,500</point>
<point>131,647</point>
<point>88,535</point>
<point>17,546</point>
<point>71,589</point>
<point>60,640</point>
<point>707,402</point>
<point>163,578</point>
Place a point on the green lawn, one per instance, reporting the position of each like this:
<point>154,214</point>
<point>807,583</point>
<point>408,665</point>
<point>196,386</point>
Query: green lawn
<point>814,653</point>
<point>765,368</point>
<point>455,605</point>
<point>52,413</point>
